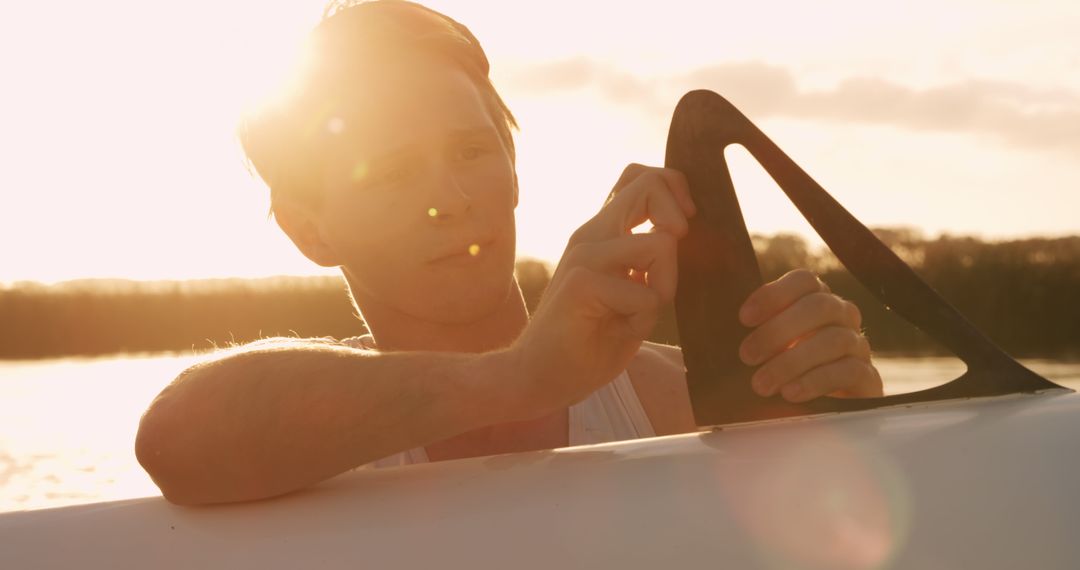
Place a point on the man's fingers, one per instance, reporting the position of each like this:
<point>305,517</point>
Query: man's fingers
<point>772,298</point>
<point>642,194</point>
<point>650,258</point>
<point>847,375</point>
<point>646,199</point>
<point>674,180</point>
<point>600,295</point>
<point>825,346</point>
<point>632,171</point>
<point>802,318</point>
<point>807,341</point>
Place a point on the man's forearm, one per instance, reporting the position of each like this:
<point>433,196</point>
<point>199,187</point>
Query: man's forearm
<point>266,421</point>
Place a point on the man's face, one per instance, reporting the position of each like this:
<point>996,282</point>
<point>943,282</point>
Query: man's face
<point>419,197</point>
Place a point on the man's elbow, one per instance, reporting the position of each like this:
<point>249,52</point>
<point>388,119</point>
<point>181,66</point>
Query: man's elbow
<point>159,449</point>
<point>187,476</point>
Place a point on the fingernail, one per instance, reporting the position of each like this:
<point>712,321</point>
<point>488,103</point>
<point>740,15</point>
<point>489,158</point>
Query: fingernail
<point>748,313</point>
<point>748,354</point>
<point>791,391</point>
<point>761,383</point>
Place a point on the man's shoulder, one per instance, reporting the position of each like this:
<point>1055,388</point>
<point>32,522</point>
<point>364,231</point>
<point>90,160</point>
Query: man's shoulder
<point>365,341</point>
<point>659,378</point>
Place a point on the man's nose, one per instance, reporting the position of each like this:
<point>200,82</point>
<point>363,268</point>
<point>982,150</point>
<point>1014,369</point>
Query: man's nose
<point>448,198</point>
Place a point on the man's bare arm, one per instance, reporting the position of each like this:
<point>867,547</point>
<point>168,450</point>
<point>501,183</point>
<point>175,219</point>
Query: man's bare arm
<point>270,419</point>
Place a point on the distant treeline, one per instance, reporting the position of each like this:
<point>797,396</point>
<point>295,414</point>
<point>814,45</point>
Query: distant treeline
<point>96,317</point>
<point>1022,294</point>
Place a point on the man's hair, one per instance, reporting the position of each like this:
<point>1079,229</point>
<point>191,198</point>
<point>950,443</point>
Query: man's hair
<point>354,42</point>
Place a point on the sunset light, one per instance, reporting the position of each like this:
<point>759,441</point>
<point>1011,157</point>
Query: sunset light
<point>121,156</point>
<point>559,284</point>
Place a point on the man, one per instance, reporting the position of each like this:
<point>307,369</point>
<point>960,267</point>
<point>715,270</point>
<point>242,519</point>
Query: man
<point>394,161</point>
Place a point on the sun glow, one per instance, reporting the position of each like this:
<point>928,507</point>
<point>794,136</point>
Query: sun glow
<point>121,160</point>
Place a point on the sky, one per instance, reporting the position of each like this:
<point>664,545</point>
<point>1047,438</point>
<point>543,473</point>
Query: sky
<point>118,157</point>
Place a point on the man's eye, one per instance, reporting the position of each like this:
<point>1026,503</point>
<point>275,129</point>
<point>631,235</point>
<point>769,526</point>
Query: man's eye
<point>471,152</point>
<point>395,175</point>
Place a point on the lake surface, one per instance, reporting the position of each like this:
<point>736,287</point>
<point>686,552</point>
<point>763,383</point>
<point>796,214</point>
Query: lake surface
<point>67,427</point>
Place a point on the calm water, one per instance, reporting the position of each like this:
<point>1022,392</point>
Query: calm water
<point>67,426</point>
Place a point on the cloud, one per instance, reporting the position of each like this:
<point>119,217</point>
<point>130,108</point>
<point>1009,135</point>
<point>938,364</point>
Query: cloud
<point>1014,113</point>
<point>581,73</point>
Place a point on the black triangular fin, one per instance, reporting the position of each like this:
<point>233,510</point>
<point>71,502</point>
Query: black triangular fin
<point>718,270</point>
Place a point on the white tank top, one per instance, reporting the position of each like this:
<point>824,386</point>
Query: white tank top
<point>612,413</point>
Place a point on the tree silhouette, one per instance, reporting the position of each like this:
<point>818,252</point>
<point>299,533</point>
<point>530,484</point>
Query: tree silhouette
<point>1022,293</point>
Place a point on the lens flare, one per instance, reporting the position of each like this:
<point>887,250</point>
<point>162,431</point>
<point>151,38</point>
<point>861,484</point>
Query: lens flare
<point>335,125</point>
<point>821,500</point>
<point>359,172</point>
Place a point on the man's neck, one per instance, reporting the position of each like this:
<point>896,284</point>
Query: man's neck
<point>396,331</point>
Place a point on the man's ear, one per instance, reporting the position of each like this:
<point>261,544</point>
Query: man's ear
<point>303,227</point>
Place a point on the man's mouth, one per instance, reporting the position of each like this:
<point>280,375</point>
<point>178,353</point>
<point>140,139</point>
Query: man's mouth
<point>464,251</point>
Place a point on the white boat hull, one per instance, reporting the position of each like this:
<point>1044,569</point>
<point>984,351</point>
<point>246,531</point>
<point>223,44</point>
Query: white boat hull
<point>988,483</point>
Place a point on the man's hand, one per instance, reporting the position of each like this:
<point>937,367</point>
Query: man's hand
<point>605,295</point>
<point>807,341</point>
